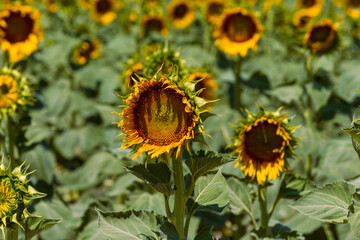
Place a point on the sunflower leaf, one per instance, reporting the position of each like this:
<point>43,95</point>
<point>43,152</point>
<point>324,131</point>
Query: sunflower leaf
<point>354,215</point>
<point>205,234</point>
<point>203,162</point>
<point>328,204</point>
<point>239,195</point>
<point>355,136</point>
<point>35,225</point>
<point>294,186</point>
<point>209,194</point>
<point>157,175</point>
<point>131,225</point>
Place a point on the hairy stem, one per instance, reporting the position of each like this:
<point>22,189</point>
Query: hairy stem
<point>237,87</point>
<point>263,207</point>
<point>180,200</point>
<point>12,234</point>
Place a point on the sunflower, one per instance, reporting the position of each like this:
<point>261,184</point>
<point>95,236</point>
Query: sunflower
<point>181,13</point>
<point>302,18</point>
<point>104,11</point>
<point>154,22</point>
<point>263,143</point>
<point>132,74</point>
<point>353,8</point>
<point>86,50</point>
<point>214,10</point>
<point>237,32</point>
<point>19,31</point>
<point>313,7</point>
<point>50,5</point>
<point>15,196</point>
<point>85,4</point>
<point>15,92</point>
<point>322,37</point>
<point>207,83</point>
<point>163,60</point>
<point>162,115</point>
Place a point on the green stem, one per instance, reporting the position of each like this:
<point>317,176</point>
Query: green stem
<point>12,234</point>
<point>11,139</point>
<point>180,200</point>
<point>237,87</point>
<point>263,207</point>
<point>329,234</point>
<point>167,208</point>
<point>187,223</point>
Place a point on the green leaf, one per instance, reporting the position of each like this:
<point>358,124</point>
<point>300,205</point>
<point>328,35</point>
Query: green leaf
<point>287,94</point>
<point>168,232</point>
<point>205,234</point>
<point>355,137</point>
<point>328,204</point>
<point>203,162</point>
<point>94,171</point>
<point>157,175</point>
<point>280,231</point>
<point>44,161</point>
<point>35,225</point>
<point>147,201</point>
<point>209,194</point>
<point>354,216</point>
<point>130,225</point>
<point>91,232</point>
<point>239,195</point>
<point>37,133</point>
<point>294,186</point>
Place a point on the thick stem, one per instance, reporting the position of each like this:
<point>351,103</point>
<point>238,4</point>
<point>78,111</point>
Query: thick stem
<point>180,200</point>
<point>263,207</point>
<point>237,87</point>
<point>12,234</point>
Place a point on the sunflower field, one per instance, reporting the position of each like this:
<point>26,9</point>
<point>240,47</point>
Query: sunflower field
<point>180,119</point>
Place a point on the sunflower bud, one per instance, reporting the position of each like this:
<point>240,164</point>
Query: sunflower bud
<point>15,196</point>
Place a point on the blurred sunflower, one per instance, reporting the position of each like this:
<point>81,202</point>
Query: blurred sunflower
<point>181,13</point>
<point>163,60</point>
<point>214,10</point>
<point>301,19</point>
<point>322,37</point>
<point>15,196</point>
<point>15,92</point>
<point>313,7</point>
<point>237,32</point>
<point>50,5</point>
<point>268,4</point>
<point>161,116</point>
<point>154,22</point>
<point>104,11</point>
<point>85,4</point>
<point>352,8</point>
<point>132,72</point>
<point>207,83</point>
<point>17,2</point>
<point>264,141</point>
<point>86,50</point>
<point>19,31</point>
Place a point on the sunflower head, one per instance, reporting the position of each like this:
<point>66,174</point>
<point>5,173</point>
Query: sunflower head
<point>15,93</point>
<point>19,31</point>
<point>214,10</point>
<point>181,13</point>
<point>322,37</point>
<point>238,31</point>
<point>352,8</point>
<point>152,22</point>
<point>133,70</point>
<point>15,196</point>
<point>301,19</point>
<point>312,7</point>
<point>207,84</point>
<point>104,11</point>
<point>163,60</point>
<point>50,5</point>
<point>264,141</point>
<point>86,50</point>
<point>162,114</point>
